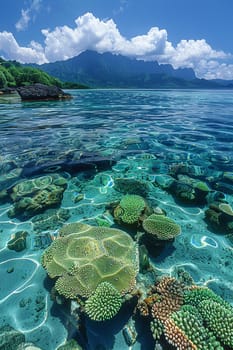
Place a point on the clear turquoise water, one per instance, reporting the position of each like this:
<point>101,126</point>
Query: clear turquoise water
<point>173,127</point>
<point>101,120</point>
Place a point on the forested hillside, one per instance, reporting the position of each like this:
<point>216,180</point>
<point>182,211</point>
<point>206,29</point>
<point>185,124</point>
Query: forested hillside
<point>13,74</point>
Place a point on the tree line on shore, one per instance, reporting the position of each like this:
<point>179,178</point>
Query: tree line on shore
<point>13,74</point>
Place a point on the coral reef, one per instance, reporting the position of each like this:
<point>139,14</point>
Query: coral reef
<point>190,317</point>
<point>84,256</point>
<point>170,299</point>
<point>130,209</point>
<point>160,227</point>
<point>10,338</point>
<point>105,303</point>
<point>184,330</point>
<point>70,345</point>
<point>34,196</point>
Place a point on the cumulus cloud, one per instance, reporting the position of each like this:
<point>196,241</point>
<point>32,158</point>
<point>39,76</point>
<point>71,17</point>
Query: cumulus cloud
<point>12,50</point>
<point>26,15</point>
<point>196,54</point>
<point>92,33</point>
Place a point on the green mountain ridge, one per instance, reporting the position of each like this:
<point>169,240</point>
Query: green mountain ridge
<point>116,71</point>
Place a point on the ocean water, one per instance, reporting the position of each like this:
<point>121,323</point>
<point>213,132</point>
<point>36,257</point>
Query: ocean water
<point>98,137</point>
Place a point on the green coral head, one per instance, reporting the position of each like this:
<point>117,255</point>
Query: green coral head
<point>130,208</point>
<point>84,256</point>
<point>104,304</point>
<point>162,227</point>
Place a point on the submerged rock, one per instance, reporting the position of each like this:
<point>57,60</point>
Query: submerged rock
<point>220,216</point>
<point>10,338</point>
<point>31,197</point>
<point>42,92</point>
<point>51,219</point>
<point>18,241</point>
<point>131,186</point>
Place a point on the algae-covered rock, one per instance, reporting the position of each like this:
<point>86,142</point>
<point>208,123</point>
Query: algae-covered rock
<point>84,256</point>
<point>51,219</point>
<point>131,186</point>
<point>220,216</point>
<point>18,241</point>
<point>33,196</point>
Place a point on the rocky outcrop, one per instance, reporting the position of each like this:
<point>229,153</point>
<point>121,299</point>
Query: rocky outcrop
<point>42,92</point>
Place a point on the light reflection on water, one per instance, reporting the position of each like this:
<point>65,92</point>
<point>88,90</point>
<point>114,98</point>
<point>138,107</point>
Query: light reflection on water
<point>104,121</point>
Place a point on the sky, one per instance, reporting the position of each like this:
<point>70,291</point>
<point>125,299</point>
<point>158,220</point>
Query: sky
<point>184,33</point>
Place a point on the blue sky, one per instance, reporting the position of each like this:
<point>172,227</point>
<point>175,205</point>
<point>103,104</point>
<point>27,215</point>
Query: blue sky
<point>184,33</point>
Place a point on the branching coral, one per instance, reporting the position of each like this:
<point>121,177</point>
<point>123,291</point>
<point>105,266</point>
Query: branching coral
<point>186,331</point>
<point>105,303</point>
<point>171,298</point>
<point>130,209</point>
<point>219,320</point>
<point>161,227</point>
<point>190,317</point>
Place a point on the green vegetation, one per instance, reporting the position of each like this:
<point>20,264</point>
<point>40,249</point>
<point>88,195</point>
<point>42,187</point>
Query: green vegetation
<point>13,74</point>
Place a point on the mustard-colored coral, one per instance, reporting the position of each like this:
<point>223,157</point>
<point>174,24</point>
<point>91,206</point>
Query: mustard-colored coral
<point>88,255</point>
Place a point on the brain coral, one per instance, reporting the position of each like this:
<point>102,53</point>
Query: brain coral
<point>104,303</point>
<point>130,209</point>
<point>84,256</point>
<point>161,227</point>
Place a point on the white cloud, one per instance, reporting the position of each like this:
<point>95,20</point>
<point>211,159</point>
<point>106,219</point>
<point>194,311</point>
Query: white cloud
<point>197,54</point>
<point>27,15</point>
<point>23,21</point>
<point>11,50</point>
<point>93,33</point>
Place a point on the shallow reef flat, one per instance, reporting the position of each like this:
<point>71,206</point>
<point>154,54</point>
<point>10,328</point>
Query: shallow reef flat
<point>116,220</point>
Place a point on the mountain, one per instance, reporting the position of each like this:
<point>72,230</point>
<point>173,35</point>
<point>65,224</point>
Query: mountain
<point>116,71</point>
<point>227,83</point>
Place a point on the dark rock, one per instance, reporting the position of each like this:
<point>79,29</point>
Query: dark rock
<point>18,241</point>
<point>85,163</point>
<point>42,92</point>
<point>7,91</point>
